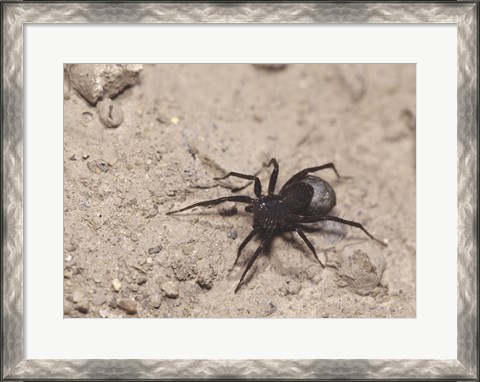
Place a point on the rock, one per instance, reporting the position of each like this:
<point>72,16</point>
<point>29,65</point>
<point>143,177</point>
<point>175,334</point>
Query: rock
<point>155,300</point>
<point>103,313</point>
<point>142,279</point>
<point>112,302</point>
<point>71,247</point>
<point>116,284</point>
<point>271,308</point>
<point>67,274</point>
<point>82,306</point>
<point>110,113</point>
<point>360,268</point>
<point>184,268</point>
<point>170,289</point>
<point>87,116</point>
<point>232,234</point>
<point>128,305</point>
<point>293,287</point>
<point>155,249</point>
<point>99,299</point>
<point>77,295</point>
<point>96,81</point>
<point>206,277</point>
<point>98,166</point>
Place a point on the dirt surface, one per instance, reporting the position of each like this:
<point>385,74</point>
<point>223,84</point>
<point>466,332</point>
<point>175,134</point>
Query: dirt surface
<point>183,125</point>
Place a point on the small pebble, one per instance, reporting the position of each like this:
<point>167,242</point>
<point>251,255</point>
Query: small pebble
<point>77,295</point>
<point>67,274</point>
<point>154,250</point>
<point>112,302</point>
<point>103,313</point>
<point>271,308</point>
<point>161,118</point>
<point>155,300</point>
<point>232,234</point>
<point>110,113</point>
<point>87,116</point>
<point>82,306</point>
<point>98,166</point>
<point>142,279</point>
<point>134,237</point>
<point>99,299</point>
<point>128,305</point>
<point>293,287</point>
<point>116,284</point>
<point>149,260</point>
<point>71,247</point>
<point>170,289</point>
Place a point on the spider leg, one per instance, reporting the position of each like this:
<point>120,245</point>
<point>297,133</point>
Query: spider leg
<point>257,185</point>
<point>302,174</point>
<point>273,177</point>
<point>244,243</point>
<point>353,224</point>
<point>312,219</point>
<point>213,202</point>
<point>252,260</point>
<point>309,244</point>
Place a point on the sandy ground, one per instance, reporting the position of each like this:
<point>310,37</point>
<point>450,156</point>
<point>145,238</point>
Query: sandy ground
<point>186,124</point>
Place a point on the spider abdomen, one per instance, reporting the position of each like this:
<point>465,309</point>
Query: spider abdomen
<point>323,198</point>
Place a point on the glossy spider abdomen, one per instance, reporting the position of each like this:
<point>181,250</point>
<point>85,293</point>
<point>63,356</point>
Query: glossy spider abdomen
<point>323,199</point>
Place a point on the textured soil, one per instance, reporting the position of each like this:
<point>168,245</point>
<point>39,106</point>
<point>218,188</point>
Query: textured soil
<point>186,124</point>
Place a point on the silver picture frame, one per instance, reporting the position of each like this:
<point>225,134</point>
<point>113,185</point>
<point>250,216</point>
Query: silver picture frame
<point>15,14</point>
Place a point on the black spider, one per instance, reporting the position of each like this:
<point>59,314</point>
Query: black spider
<point>303,199</point>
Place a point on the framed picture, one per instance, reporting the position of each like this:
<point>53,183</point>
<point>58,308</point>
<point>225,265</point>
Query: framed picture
<point>238,191</point>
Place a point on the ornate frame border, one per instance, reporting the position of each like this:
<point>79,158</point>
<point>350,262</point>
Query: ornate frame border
<point>14,13</point>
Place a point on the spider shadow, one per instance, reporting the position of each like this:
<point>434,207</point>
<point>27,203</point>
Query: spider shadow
<point>335,231</point>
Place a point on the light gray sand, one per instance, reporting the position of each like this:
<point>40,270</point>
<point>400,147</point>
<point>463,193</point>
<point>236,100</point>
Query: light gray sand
<point>186,124</point>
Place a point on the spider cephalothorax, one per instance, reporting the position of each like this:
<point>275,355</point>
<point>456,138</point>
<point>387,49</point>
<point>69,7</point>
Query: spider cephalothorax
<point>303,199</point>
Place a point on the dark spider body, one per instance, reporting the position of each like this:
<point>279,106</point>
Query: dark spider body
<point>303,199</point>
<point>306,197</point>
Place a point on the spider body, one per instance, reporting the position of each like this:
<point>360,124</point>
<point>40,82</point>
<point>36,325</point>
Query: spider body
<point>268,213</point>
<point>303,199</point>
